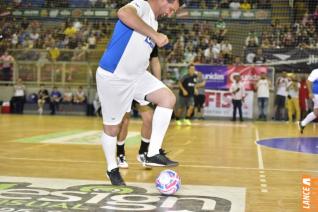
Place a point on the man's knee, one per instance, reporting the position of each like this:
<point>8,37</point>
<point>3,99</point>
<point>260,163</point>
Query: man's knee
<point>111,130</point>
<point>170,100</point>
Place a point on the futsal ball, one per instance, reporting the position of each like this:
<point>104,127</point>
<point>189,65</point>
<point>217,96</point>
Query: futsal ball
<point>168,182</point>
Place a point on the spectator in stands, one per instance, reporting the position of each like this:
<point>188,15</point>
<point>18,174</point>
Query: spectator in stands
<point>315,18</point>
<point>235,9</point>
<point>266,44</point>
<point>245,5</point>
<point>221,30</point>
<point>251,40</point>
<point>235,5</point>
<point>224,4</point>
<point>226,51</point>
<point>79,97</point>
<point>92,3</point>
<point>68,95</point>
<point>97,105</point>
<point>263,86</point>
<point>91,40</point>
<point>55,100</point>
<point>237,61</point>
<point>238,94</point>
<point>259,57</point>
<point>306,18</point>
<point>18,98</point>
<point>14,40</point>
<point>293,99</point>
<point>277,29</point>
<point>288,39</point>
<point>280,99</point>
<point>70,31</point>
<point>43,97</point>
<point>54,53</point>
<point>6,61</point>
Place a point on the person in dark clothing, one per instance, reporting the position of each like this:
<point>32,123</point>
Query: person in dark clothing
<point>43,97</point>
<point>18,98</point>
<point>187,90</point>
<point>56,98</point>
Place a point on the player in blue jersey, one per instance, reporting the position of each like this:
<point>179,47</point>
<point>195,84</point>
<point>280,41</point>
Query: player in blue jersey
<point>312,84</point>
<point>122,77</point>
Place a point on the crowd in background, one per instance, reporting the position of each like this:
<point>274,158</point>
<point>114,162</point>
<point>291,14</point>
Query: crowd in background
<point>70,34</point>
<point>199,42</point>
<point>301,34</point>
<point>202,4</point>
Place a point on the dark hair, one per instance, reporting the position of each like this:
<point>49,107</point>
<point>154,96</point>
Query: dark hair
<point>181,2</point>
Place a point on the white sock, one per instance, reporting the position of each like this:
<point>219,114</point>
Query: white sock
<point>120,143</point>
<point>109,147</point>
<point>160,123</point>
<point>146,140</point>
<point>310,117</point>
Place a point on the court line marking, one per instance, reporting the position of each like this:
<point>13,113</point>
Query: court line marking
<point>181,165</point>
<point>259,151</point>
<point>262,175</point>
<point>187,142</point>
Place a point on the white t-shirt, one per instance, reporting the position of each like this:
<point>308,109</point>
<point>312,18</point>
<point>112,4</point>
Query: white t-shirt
<point>263,88</point>
<point>281,84</point>
<point>19,90</point>
<point>240,94</point>
<point>128,52</point>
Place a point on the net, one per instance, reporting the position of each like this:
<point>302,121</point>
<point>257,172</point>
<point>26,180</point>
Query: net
<point>73,35</point>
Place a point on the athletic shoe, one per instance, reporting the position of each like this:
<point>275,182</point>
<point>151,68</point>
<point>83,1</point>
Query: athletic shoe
<point>162,152</point>
<point>142,157</point>
<point>178,123</point>
<point>122,163</point>
<point>187,122</point>
<point>115,177</point>
<point>159,160</point>
<point>301,128</point>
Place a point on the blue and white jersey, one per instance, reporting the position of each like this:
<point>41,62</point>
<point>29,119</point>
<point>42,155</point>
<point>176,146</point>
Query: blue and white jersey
<point>313,77</point>
<point>128,52</point>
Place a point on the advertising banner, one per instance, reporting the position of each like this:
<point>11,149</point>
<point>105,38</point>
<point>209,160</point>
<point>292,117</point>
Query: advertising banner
<point>249,75</point>
<point>215,76</point>
<point>219,104</point>
<point>220,77</point>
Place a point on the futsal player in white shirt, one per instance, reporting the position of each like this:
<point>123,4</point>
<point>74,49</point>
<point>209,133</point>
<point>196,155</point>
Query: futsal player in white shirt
<point>122,76</point>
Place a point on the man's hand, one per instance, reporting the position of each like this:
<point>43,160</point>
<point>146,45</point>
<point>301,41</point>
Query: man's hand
<point>185,93</point>
<point>160,39</point>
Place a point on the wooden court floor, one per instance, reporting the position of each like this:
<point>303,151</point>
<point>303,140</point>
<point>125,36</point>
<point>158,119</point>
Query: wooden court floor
<point>211,153</point>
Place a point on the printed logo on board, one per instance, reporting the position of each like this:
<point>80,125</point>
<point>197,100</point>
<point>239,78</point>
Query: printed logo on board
<point>40,194</point>
<point>309,193</point>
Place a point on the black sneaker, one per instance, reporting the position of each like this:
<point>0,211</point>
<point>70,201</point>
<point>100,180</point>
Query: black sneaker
<point>115,177</point>
<point>301,128</point>
<point>162,152</point>
<point>159,160</point>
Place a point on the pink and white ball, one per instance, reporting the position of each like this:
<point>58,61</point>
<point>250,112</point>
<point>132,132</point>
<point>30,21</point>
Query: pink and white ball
<point>168,182</point>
